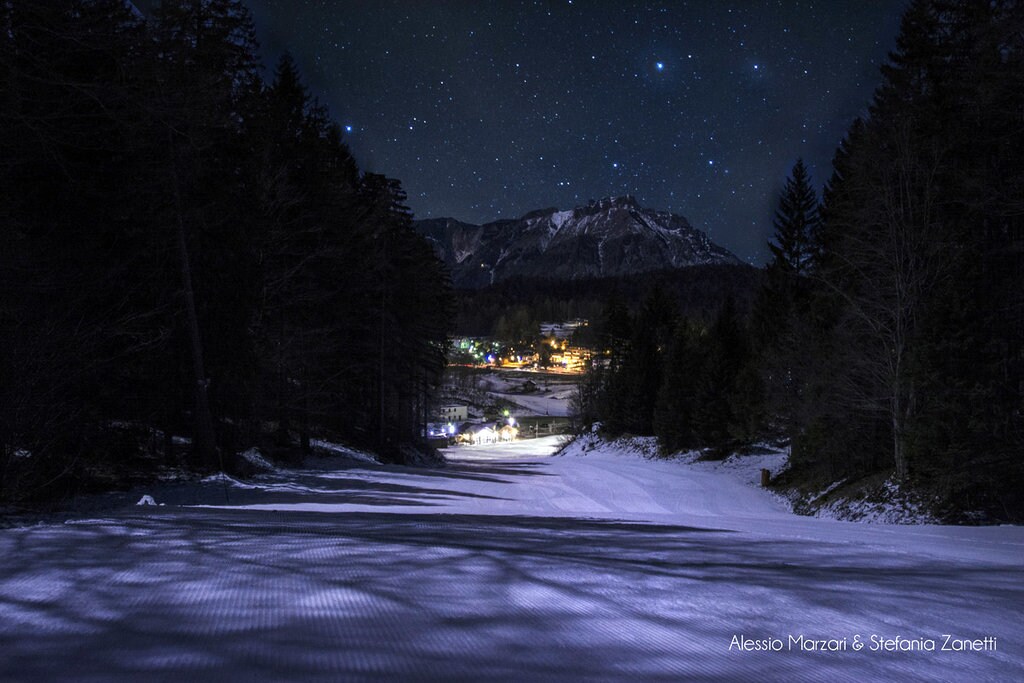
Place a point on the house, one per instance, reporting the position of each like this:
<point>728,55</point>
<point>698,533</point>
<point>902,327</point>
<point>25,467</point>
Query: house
<point>452,413</point>
<point>508,433</point>
<point>477,434</point>
<point>484,434</point>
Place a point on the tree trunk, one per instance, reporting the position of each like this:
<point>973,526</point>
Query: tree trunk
<point>901,410</point>
<point>898,452</point>
<point>204,444</point>
<point>380,377</point>
<point>304,421</point>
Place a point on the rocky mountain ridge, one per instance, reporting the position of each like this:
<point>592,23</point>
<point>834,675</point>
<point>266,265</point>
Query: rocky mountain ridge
<point>611,237</point>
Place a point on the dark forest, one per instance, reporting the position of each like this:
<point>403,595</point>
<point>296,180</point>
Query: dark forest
<point>190,250</point>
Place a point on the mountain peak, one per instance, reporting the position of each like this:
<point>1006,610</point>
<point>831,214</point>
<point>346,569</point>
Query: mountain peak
<point>626,201</point>
<point>611,237</point>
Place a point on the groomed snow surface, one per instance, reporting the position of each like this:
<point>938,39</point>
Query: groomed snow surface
<point>509,564</point>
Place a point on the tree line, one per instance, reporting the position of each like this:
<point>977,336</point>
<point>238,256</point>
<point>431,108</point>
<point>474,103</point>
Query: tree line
<point>888,334</point>
<point>500,309</point>
<point>191,255</point>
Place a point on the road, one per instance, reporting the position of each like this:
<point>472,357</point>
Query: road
<point>508,564</point>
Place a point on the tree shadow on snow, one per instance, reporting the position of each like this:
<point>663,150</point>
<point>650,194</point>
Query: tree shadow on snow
<point>233,594</point>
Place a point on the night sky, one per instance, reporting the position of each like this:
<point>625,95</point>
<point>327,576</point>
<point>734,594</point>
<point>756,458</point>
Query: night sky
<point>488,110</point>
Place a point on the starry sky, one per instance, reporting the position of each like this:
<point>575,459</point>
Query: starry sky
<point>488,109</point>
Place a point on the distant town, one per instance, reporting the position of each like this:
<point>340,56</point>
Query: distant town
<point>501,390</point>
<point>552,351</point>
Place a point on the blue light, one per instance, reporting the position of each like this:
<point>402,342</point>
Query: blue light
<point>348,129</point>
<point>660,66</point>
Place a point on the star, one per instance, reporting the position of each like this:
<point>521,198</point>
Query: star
<point>496,98</point>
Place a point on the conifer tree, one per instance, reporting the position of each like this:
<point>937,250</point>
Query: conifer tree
<point>677,398</point>
<point>643,367</point>
<point>204,87</point>
<point>724,356</point>
<point>183,243</point>
<point>917,262</point>
<point>796,225</point>
<point>780,315</point>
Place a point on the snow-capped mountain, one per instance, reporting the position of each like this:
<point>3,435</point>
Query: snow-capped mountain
<point>612,237</point>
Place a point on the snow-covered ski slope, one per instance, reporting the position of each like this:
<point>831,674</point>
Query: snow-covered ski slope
<point>507,565</point>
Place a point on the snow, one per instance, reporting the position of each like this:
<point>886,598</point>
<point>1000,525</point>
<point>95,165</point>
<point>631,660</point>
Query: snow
<point>255,458</point>
<point>560,217</point>
<point>894,506</point>
<point>226,480</point>
<point>557,391</point>
<point>666,234</point>
<point>528,449</point>
<point>499,382</point>
<point>602,562</point>
<point>556,403</point>
<point>345,451</point>
<point>890,505</point>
